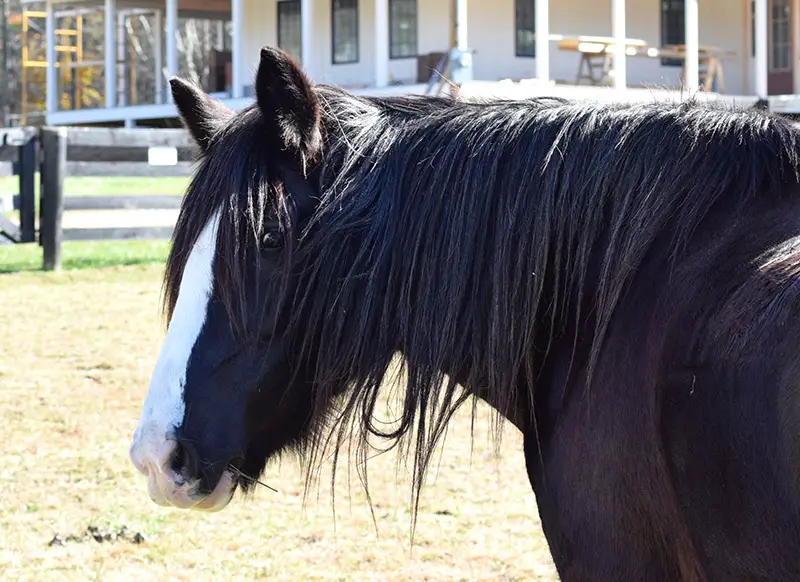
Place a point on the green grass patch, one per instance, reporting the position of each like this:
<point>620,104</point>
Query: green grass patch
<point>85,255</point>
<point>115,186</point>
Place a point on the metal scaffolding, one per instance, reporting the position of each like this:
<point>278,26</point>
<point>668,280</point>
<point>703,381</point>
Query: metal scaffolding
<point>69,51</point>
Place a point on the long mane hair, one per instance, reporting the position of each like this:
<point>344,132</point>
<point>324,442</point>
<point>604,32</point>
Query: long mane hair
<point>471,237</point>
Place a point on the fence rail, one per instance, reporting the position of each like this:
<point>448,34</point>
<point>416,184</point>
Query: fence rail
<point>118,137</point>
<point>122,202</point>
<point>117,233</point>
<point>131,169</point>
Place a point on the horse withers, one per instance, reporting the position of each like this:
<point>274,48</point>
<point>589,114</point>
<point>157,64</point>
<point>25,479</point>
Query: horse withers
<point>619,282</point>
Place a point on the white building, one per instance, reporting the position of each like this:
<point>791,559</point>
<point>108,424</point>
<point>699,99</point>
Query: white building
<point>730,49</point>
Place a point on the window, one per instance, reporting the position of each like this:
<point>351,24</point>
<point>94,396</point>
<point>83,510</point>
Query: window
<point>780,49</point>
<point>289,28</point>
<point>402,29</point>
<point>525,28</point>
<point>345,31</point>
<point>673,27</point>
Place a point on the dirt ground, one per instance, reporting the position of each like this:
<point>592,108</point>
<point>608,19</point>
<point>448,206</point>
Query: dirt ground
<point>77,350</point>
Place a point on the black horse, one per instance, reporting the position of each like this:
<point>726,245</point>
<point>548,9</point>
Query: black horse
<point>620,282</point>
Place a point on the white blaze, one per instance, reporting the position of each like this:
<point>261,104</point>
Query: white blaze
<point>164,406</point>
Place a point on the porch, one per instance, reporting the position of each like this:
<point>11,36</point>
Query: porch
<point>359,45</point>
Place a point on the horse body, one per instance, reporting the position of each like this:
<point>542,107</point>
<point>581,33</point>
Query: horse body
<point>616,281</point>
<point>684,443</point>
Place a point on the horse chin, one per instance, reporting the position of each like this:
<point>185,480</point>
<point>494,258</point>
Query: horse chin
<point>169,491</point>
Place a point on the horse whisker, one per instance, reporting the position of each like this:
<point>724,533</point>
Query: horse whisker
<point>240,473</point>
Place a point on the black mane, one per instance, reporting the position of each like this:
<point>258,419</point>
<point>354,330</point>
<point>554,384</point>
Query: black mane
<point>471,237</point>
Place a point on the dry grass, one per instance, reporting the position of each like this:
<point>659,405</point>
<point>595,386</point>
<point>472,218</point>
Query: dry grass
<point>77,349</point>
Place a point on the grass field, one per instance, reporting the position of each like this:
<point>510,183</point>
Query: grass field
<point>77,350</point>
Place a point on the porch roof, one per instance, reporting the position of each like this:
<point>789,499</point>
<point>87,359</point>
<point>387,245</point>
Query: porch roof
<point>184,6</point>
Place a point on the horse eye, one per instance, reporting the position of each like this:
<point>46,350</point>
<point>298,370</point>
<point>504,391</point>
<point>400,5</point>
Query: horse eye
<point>273,239</point>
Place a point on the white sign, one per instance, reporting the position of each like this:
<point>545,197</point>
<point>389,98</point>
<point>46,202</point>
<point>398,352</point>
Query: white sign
<point>162,156</point>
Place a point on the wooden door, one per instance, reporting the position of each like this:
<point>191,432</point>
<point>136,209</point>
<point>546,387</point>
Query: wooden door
<point>780,80</point>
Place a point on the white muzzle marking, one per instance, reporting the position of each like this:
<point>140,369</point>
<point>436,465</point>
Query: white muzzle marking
<point>164,407</point>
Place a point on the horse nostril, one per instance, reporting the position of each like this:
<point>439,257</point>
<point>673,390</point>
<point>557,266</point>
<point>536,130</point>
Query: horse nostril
<point>184,460</point>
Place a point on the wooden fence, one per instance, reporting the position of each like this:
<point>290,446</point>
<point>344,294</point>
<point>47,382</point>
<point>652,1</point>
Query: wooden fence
<point>106,152</point>
<point>18,157</point>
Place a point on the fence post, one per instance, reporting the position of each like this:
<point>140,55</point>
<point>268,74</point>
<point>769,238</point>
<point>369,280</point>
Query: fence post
<point>54,165</point>
<point>27,189</point>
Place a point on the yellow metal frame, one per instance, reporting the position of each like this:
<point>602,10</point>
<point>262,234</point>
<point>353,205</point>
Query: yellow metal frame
<point>69,44</point>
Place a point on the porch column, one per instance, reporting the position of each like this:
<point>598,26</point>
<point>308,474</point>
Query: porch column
<point>237,52</point>
<point>795,48</point>
<point>618,32</point>
<point>51,80</point>
<point>170,35</point>
<point>220,36</point>
<point>158,50</point>
<point>382,43</point>
<point>692,68</point>
<point>110,53</point>
<point>122,57</point>
<point>762,52</point>
<point>306,34</point>
<point>542,27</point>
<point>462,42</point>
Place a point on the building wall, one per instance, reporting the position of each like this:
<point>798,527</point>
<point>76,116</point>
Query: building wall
<point>723,23</point>
<point>261,28</point>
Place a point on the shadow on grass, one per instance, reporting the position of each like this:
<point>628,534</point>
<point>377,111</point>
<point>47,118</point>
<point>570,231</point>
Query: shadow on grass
<point>85,255</point>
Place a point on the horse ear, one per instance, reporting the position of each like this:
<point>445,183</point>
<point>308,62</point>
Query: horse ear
<point>201,115</point>
<point>288,103</point>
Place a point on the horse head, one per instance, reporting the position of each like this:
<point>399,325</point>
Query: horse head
<point>219,401</point>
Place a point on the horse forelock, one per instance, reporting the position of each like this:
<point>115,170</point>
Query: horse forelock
<point>238,178</point>
<point>467,237</point>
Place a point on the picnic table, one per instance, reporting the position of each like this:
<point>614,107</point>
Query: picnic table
<point>596,64</point>
<point>597,55</point>
<point>711,57</point>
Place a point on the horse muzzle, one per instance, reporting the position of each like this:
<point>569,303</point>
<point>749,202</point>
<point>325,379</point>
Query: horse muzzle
<point>172,481</point>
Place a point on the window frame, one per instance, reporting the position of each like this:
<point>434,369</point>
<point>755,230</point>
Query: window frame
<point>784,44</point>
<point>520,5</point>
<point>666,7</point>
<point>415,50</point>
<point>279,16</point>
<point>356,33</point>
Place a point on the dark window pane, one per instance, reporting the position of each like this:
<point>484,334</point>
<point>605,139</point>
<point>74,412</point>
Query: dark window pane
<point>673,27</point>
<point>289,28</point>
<point>781,42</point>
<point>345,31</point>
<point>402,29</point>
<point>525,25</point>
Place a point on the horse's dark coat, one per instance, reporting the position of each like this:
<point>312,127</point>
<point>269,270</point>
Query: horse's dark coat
<point>619,281</point>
